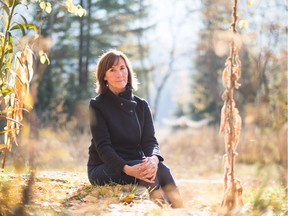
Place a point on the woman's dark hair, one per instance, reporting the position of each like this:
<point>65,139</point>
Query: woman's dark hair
<point>105,62</point>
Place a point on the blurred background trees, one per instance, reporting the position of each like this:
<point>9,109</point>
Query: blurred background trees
<point>77,43</point>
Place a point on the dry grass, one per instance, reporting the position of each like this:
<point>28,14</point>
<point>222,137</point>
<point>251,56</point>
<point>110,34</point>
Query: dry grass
<point>198,153</point>
<point>190,153</point>
<point>194,156</point>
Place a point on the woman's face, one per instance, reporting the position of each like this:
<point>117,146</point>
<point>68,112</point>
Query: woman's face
<point>117,76</point>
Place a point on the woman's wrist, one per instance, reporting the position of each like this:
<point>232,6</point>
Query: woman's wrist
<point>126,169</point>
<point>155,159</point>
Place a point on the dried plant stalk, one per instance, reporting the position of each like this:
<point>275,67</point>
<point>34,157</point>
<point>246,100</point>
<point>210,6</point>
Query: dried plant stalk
<point>231,124</point>
<point>19,79</point>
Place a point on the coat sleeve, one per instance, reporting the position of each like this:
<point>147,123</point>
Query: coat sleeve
<point>102,141</point>
<point>149,142</point>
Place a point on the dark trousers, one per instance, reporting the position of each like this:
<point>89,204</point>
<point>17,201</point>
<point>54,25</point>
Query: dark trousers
<point>103,174</point>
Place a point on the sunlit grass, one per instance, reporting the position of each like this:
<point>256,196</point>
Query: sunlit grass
<point>70,192</point>
<point>53,195</point>
<point>61,186</point>
<point>270,199</point>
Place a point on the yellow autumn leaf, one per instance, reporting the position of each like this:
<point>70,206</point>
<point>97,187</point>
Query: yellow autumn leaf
<point>48,8</point>
<point>70,6</point>
<point>250,3</point>
<point>84,12</point>
<point>47,59</point>
<point>42,5</point>
<point>6,25</point>
<point>28,55</point>
<point>2,146</point>
<point>28,101</point>
<point>79,12</point>
<point>243,24</point>
<point>43,59</point>
<point>128,199</point>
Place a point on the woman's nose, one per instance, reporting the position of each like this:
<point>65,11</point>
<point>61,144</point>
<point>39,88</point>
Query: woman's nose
<point>119,73</point>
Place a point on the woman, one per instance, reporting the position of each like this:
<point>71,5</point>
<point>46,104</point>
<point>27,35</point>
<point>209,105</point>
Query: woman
<point>124,149</point>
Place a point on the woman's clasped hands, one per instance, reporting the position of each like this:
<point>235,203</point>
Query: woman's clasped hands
<point>146,170</point>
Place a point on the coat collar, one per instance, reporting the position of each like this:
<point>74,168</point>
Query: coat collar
<point>125,100</point>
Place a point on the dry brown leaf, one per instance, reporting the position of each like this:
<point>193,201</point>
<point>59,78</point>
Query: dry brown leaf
<point>2,146</point>
<point>223,118</point>
<point>226,77</point>
<point>89,198</point>
<point>128,199</point>
<point>238,66</point>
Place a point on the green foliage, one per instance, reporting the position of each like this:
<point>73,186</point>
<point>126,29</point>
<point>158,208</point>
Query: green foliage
<point>267,200</point>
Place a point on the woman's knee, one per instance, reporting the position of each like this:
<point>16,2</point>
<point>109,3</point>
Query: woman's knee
<point>164,175</point>
<point>94,181</point>
<point>96,177</point>
<point>163,168</point>
<point>104,175</point>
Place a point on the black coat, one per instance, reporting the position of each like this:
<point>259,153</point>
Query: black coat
<point>122,129</point>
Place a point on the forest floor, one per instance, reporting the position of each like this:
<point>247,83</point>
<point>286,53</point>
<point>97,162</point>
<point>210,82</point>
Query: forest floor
<point>60,185</point>
<point>70,193</point>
